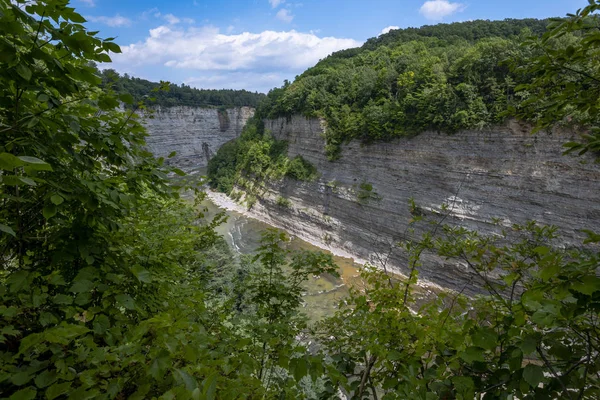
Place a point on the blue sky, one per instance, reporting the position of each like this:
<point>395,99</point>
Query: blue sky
<point>256,44</point>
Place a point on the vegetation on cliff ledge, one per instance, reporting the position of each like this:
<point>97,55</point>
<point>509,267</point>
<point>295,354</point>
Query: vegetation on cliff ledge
<point>254,159</point>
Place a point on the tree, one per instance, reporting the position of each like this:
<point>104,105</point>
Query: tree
<point>566,77</point>
<point>107,278</point>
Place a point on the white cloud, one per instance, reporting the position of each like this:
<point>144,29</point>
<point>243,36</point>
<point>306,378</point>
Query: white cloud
<point>115,21</point>
<point>171,19</point>
<point>256,61</point>
<point>207,49</point>
<point>89,3</point>
<point>284,15</point>
<point>276,3</point>
<point>145,14</point>
<point>387,29</point>
<point>438,9</point>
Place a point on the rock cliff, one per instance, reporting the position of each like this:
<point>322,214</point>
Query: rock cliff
<point>504,174</point>
<point>194,133</point>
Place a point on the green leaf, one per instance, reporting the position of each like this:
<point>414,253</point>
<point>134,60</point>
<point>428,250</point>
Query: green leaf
<point>21,378</point>
<point>56,199</point>
<point>588,286</point>
<point>142,274</point>
<point>57,389</point>
<point>47,318</point>
<point>187,379</point>
<point>159,365</point>
<point>82,285</point>
<point>172,154</point>
<point>178,172</point>
<point>32,160</point>
<point>112,47</point>
<point>101,324</point>
<point>210,387</point>
<point>7,229</point>
<point>473,354</point>
<point>75,17</point>
<point>8,162</point>
<point>49,211</point>
<point>24,394</point>
<point>44,379</point>
<point>24,71</point>
<point>35,164</point>
<point>300,368</point>
<point>62,299</point>
<point>27,181</point>
<point>17,281</point>
<point>394,355</point>
<point>533,375</point>
<point>126,301</point>
<point>126,98</point>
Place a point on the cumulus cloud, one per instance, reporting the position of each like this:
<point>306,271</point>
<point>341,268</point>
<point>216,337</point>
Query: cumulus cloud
<point>438,9</point>
<point>276,3</point>
<point>256,61</point>
<point>285,15</point>
<point>116,21</point>
<point>387,29</point>
<point>207,49</point>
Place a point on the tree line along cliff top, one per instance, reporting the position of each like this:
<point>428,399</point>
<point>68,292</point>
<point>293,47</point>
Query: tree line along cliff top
<point>171,95</point>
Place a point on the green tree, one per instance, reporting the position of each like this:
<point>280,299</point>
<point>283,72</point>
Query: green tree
<point>566,77</point>
<point>108,281</point>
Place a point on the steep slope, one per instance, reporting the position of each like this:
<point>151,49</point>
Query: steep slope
<point>488,180</point>
<point>194,133</point>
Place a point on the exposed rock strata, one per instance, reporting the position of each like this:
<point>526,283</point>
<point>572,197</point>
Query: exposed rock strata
<point>194,133</point>
<point>503,173</point>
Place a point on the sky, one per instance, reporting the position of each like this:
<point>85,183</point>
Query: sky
<point>257,44</point>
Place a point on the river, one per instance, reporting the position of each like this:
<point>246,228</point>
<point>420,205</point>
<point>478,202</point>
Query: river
<point>323,294</point>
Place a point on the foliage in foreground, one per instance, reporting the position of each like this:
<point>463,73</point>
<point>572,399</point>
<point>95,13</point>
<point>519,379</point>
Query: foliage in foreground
<point>109,284</point>
<point>534,335</point>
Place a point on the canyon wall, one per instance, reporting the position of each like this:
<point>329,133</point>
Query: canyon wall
<point>194,133</point>
<point>504,174</point>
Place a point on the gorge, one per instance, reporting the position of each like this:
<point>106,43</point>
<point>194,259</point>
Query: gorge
<point>487,180</point>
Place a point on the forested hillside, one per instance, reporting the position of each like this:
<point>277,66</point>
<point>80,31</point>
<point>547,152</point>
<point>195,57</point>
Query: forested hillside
<point>173,95</point>
<point>445,77</point>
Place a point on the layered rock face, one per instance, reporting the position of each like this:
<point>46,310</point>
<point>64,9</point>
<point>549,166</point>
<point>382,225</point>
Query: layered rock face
<point>194,133</point>
<point>503,174</point>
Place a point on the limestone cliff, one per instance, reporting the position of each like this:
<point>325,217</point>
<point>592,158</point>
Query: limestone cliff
<point>194,133</point>
<point>504,173</point>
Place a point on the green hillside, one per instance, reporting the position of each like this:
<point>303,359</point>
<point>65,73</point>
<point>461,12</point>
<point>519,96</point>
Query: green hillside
<point>444,77</point>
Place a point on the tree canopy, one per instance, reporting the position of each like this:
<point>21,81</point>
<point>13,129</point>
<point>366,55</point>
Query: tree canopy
<point>444,77</point>
<point>174,95</point>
